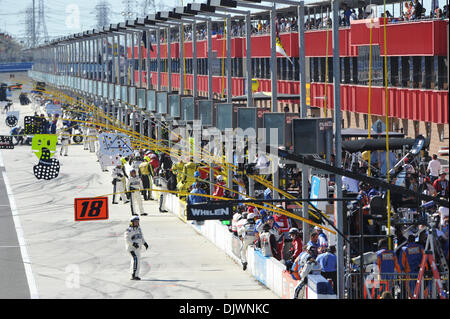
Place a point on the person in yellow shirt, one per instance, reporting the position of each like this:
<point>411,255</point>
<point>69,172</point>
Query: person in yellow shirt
<point>178,169</point>
<point>146,173</point>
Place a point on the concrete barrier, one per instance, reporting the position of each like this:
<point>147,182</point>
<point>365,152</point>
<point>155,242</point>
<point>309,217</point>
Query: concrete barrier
<point>267,270</point>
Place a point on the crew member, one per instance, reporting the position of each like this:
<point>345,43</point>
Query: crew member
<point>314,240</point>
<point>218,188</point>
<point>283,224</point>
<point>146,173</point>
<point>386,261</point>
<point>268,243</point>
<point>194,199</point>
<point>85,130</point>
<point>137,161</point>
<point>308,266</point>
<point>134,185</point>
<point>328,263</point>
<point>162,185</point>
<point>119,175</point>
<point>411,258</point>
<point>237,216</point>
<point>323,240</point>
<point>247,234</point>
<point>92,134</point>
<point>296,246</point>
<point>134,242</point>
<point>65,141</point>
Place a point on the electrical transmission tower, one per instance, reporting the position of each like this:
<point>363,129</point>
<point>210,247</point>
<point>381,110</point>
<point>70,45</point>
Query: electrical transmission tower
<point>41,26</point>
<point>130,10</point>
<point>29,29</point>
<point>102,13</point>
<point>148,7</point>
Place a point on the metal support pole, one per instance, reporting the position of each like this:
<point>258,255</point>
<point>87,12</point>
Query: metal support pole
<point>273,58</point>
<point>78,47</point>
<point>141,123</point>
<point>133,54</point>
<point>126,67</point>
<point>210,91</point>
<point>140,58</point>
<point>158,58</point>
<point>303,111</point>
<point>273,78</point>
<point>194,59</point>
<point>97,66</point>
<point>209,60</point>
<point>91,66</point>
<point>114,66</point>
<point>248,59</point>
<point>229,98</point>
<point>169,62</point>
<point>338,148</point>
<point>107,67</point>
<point>101,45</point>
<point>147,63</point>
<point>229,85</point>
<point>180,35</point>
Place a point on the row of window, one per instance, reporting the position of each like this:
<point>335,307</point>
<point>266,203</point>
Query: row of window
<point>428,72</point>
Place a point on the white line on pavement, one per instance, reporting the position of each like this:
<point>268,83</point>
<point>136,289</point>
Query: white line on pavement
<point>23,249</point>
<point>1,160</point>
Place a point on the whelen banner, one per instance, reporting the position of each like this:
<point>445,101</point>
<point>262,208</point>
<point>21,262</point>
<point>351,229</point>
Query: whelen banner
<point>209,211</point>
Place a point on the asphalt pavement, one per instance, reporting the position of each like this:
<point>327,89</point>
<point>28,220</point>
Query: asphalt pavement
<point>88,259</point>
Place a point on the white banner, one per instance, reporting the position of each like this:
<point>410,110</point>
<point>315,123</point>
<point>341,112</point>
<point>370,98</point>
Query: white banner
<point>115,144</point>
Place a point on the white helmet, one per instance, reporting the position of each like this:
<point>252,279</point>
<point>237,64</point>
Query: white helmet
<point>251,216</point>
<point>220,178</point>
<point>134,218</point>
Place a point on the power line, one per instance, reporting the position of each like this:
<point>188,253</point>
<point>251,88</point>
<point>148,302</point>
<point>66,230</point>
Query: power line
<point>102,13</point>
<point>41,31</point>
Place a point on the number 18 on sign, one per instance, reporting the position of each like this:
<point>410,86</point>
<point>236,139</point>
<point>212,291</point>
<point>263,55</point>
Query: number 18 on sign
<point>91,208</point>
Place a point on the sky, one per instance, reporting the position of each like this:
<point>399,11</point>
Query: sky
<point>61,15</point>
<point>65,17</point>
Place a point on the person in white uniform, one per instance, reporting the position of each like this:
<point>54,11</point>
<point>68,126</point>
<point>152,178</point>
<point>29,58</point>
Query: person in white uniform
<point>92,134</point>
<point>134,241</point>
<point>247,234</point>
<point>65,141</point>
<point>85,130</point>
<point>119,178</point>
<point>134,186</point>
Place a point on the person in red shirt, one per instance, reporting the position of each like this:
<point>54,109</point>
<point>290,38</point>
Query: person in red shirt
<point>283,224</point>
<point>154,161</point>
<point>441,185</point>
<point>297,245</point>
<point>218,188</point>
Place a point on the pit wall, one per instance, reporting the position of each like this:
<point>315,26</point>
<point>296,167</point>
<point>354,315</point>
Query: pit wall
<point>267,270</point>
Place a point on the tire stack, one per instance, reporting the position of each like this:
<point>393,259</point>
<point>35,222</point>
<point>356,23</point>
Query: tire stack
<point>24,100</point>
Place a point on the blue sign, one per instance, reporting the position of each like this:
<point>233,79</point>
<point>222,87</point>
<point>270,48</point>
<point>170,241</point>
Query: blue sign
<point>315,187</point>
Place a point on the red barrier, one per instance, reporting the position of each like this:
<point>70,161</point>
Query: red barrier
<point>288,286</point>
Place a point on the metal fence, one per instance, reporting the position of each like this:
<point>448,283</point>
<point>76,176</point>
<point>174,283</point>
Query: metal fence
<point>399,286</point>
